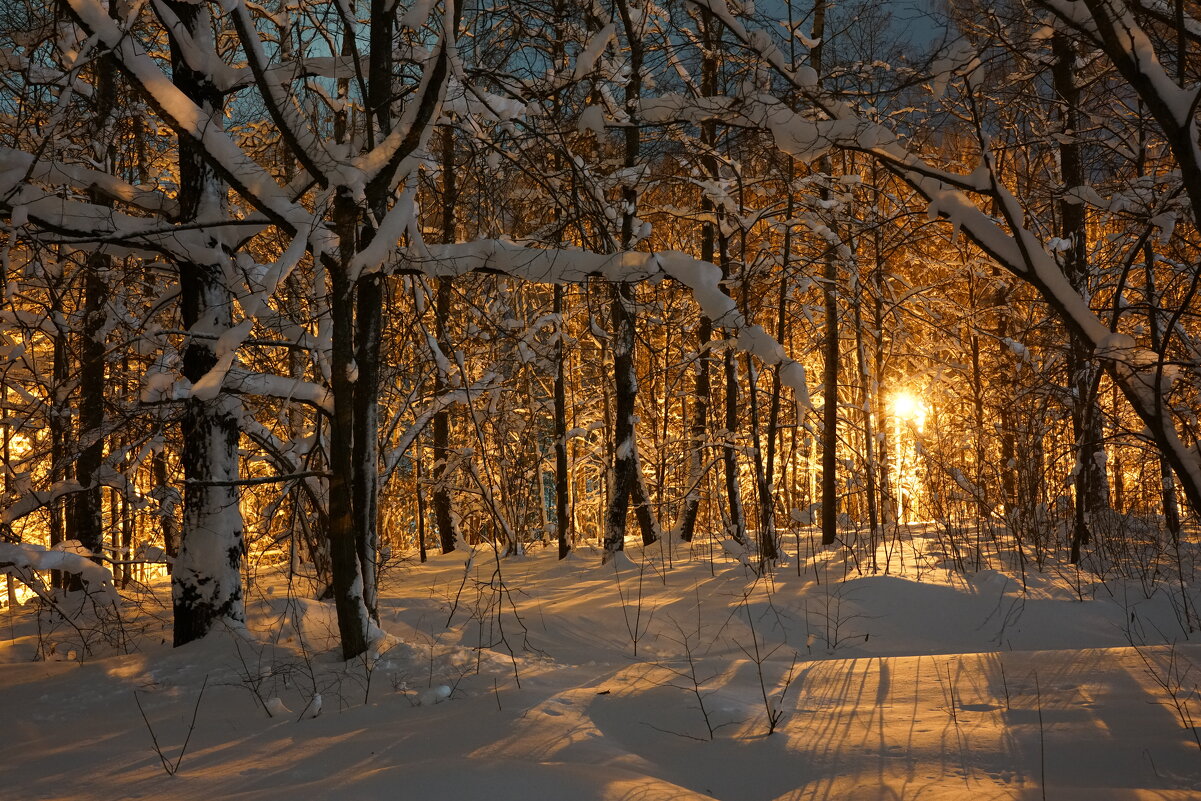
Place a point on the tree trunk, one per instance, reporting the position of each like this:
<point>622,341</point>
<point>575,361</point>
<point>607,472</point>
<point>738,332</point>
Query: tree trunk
<point>444,509</point>
<point>625,394</point>
<point>867,401</point>
<point>1091,485</point>
<point>87,503</point>
<point>167,498</point>
<point>729,449</point>
<point>627,476</point>
<point>206,583</point>
<point>88,526</point>
<point>702,390</point>
<point>369,312</point>
<point>829,502</point>
<point>767,498</point>
<point>699,434</point>
<point>356,322</point>
<point>60,436</point>
<point>562,499</point>
<point>769,550</point>
<point>830,350</point>
<point>348,585</point>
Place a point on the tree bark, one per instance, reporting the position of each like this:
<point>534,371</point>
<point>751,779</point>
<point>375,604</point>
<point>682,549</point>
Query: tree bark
<point>348,586</point>
<point>627,476</point>
<point>562,499</point>
<point>369,312</point>
<point>830,349</point>
<point>1091,484</point>
<point>702,388</point>
<point>87,517</point>
<point>87,511</point>
<point>206,582</point>
<point>60,433</point>
<point>625,394</point>
<point>444,510</point>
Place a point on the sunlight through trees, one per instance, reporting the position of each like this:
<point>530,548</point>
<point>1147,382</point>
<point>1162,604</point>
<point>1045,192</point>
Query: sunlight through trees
<point>312,287</point>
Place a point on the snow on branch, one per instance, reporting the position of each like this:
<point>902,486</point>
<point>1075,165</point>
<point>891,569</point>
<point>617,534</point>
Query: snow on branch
<point>571,266</point>
<point>161,386</point>
<point>188,120</point>
<point>798,134</point>
<point>394,455</point>
<point>18,165</point>
<point>92,227</point>
<point>32,500</point>
<point>1115,30</point>
<point>288,457</point>
<point>1162,12</point>
<point>29,320</point>
<point>389,163</point>
<point>265,385</point>
<point>295,132</point>
<point>1141,373</point>
<point>24,560</point>
<point>198,52</point>
<point>759,42</point>
<point>287,72</point>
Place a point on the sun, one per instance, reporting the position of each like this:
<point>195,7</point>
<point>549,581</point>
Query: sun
<point>909,407</point>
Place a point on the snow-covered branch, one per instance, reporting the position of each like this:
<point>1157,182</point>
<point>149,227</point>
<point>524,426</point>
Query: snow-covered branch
<point>188,120</point>
<point>570,266</point>
<point>24,560</point>
<point>17,166</point>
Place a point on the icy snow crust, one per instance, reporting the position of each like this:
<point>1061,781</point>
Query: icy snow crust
<point>932,684</point>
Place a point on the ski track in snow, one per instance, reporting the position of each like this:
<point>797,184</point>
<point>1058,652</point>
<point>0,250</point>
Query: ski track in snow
<point>956,686</point>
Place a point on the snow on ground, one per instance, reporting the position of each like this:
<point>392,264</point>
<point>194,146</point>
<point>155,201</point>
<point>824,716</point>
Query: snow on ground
<point>657,678</point>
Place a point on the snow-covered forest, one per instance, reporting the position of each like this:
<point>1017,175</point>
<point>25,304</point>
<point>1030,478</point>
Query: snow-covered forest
<point>689,352</point>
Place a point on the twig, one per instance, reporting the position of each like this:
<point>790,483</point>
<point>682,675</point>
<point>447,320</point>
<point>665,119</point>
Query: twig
<point>167,766</point>
<point>153,739</point>
<point>192,725</point>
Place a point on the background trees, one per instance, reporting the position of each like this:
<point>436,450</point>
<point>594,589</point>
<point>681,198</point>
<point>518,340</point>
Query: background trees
<point>290,267</point>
